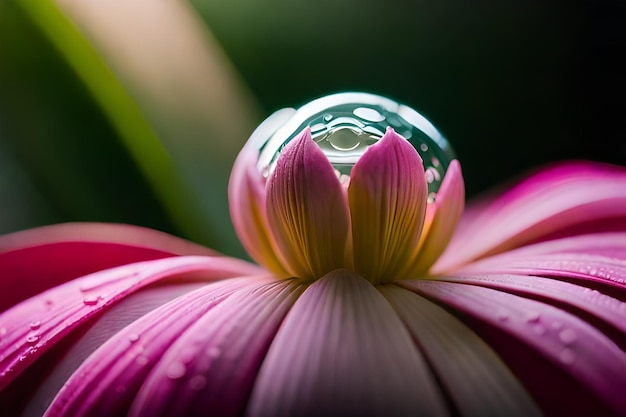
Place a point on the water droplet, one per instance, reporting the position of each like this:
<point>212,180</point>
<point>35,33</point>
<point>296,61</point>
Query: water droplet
<point>32,339</point>
<point>214,352</point>
<point>3,331</point>
<point>532,317</point>
<point>90,301</point>
<point>567,336</point>
<point>141,360</point>
<point>34,325</point>
<point>502,316</point>
<point>345,125</point>
<point>132,338</point>
<point>567,356</point>
<point>176,370</point>
<point>197,382</point>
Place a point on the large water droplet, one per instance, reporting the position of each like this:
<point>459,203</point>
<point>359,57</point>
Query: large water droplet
<point>344,125</point>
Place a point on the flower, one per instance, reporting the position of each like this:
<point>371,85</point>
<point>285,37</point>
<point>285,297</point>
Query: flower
<point>360,305</point>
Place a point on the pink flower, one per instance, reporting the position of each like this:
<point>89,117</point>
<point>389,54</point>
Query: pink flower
<point>368,300</point>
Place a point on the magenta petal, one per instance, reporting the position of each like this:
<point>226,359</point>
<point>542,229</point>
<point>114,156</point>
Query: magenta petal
<point>36,324</point>
<point>34,260</point>
<point>342,350</point>
<point>552,201</point>
<point>606,313</point>
<point>474,377</point>
<point>569,366</point>
<point>212,366</point>
<point>108,381</point>
<point>596,261</point>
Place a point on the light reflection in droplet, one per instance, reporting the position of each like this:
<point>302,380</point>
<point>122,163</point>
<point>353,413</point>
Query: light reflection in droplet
<point>345,125</point>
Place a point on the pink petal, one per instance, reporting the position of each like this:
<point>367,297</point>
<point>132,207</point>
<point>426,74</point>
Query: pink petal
<point>342,350</point>
<point>441,219</point>
<point>597,261</point>
<point>604,312</point>
<point>307,210</point>
<point>34,260</point>
<point>554,200</point>
<point>476,380</point>
<point>569,366</point>
<point>36,324</point>
<point>246,194</point>
<point>31,393</point>
<point>213,365</point>
<point>387,197</point>
<point>109,380</point>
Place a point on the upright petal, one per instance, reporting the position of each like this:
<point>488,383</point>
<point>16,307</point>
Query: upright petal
<point>35,260</point>
<point>342,350</point>
<point>554,200</point>
<point>307,210</point>
<point>387,196</point>
<point>246,195</point>
<point>442,216</point>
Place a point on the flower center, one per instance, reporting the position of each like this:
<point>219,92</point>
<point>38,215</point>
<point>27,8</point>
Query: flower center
<point>344,125</point>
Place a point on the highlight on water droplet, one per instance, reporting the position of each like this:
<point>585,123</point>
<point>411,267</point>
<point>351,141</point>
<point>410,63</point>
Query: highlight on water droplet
<point>34,325</point>
<point>32,339</point>
<point>344,125</point>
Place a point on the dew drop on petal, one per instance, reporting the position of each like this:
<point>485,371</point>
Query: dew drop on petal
<point>34,325</point>
<point>132,338</point>
<point>532,317</point>
<point>502,316</point>
<point>214,352</point>
<point>32,339</point>
<point>567,356</point>
<point>176,370</point>
<point>567,336</point>
<point>141,360</point>
<point>90,301</point>
<point>197,382</point>
<point>344,125</point>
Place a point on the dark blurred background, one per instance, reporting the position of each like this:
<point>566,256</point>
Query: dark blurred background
<point>512,84</point>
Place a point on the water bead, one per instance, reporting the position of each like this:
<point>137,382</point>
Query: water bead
<point>344,125</point>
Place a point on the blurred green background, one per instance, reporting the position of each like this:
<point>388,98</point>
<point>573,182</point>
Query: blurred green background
<point>512,84</point>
